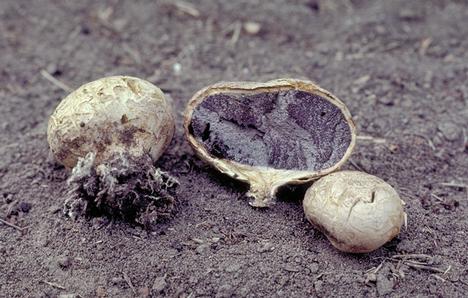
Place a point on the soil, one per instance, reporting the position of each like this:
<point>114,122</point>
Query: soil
<point>400,66</point>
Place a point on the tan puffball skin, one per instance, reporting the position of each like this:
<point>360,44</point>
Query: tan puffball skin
<point>112,115</point>
<point>264,181</point>
<point>357,212</point>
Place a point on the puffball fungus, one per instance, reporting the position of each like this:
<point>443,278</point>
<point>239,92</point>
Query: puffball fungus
<point>110,116</point>
<point>111,131</point>
<point>285,131</point>
<point>357,212</point>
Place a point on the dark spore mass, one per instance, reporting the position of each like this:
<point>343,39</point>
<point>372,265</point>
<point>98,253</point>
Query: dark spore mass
<point>293,129</point>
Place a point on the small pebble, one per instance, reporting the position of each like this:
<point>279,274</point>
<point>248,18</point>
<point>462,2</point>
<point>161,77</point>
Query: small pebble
<point>143,292</point>
<point>117,281</point>
<point>177,68</point>
<point>407,14</point>
<point>386,100</point>
<point>371,277</point>
<point>266,247</point>
<point>233,267</point>
<point>202,248</point>
<point>177,246</point>
<point>224,291</point>
<point>24,207</point>
<point>393,148</point>
<point>53,69</point>
<point>101,292</point>
<point>193,279</point>
<point>384,284</point>
<point>159,284</point>
<point>406,246</point>
<point>252,27</point>
<point>64,262</point>
<point>8,197</point>
<point>318,285</point>
<point>314,267</point>
<point>450,130</point>
<point>244,291</point>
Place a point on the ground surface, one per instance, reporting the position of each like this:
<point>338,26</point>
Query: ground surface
<point>401,66</point>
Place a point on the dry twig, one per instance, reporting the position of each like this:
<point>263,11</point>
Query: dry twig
<point>187,8</point>
<point>358,167</point>
<point>375,269</point>
<point>54,285</point>
<point>424,267</point>
<point>452,184</point>
<point>424,46</point>
<point>419,261</point>
<point>437,197</point>
<point>236,33</point>
<point>55,82</point>
<point>371,139</point>
<point>129,282</point>
<point>413,256</point>
<point>12,225</point>
<point>438,277</point>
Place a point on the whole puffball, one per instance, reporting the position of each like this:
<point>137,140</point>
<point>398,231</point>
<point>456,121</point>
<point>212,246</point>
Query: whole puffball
<point>112,115</point>
<point>357,212</point>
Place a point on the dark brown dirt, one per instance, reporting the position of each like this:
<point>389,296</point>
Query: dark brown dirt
<point>401,66</point>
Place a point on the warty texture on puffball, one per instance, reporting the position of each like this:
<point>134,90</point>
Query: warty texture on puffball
<point>109,116</point>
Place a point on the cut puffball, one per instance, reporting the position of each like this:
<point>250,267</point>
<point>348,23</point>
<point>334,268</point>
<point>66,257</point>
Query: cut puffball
<point>357,212</point>
<point>111,131</point>
<point>270,134</point>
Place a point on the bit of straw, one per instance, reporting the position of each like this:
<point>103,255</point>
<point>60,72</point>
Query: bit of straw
<point>55,82</point>
<point>371,139</point>
<point>187,8</point>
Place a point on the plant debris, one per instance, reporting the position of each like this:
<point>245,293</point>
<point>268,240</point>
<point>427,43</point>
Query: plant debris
<point>123,187</point>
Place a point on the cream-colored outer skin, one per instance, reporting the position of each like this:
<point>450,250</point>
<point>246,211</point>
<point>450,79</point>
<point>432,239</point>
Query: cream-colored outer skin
<point>112,115</point>
<point>264,182</point>
<point>357,212</point>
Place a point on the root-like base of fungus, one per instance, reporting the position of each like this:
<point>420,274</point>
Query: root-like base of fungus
<point>124,187</point>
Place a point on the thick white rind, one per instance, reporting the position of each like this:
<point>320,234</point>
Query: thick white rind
<point>108,116</point>
<point>357,212</point>
<point>264,181</point>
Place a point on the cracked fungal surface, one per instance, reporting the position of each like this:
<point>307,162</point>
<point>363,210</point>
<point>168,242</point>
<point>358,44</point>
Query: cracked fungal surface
<point>292,129</point>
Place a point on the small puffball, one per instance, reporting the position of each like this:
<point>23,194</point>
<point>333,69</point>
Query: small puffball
<point>110,116</point>
<point>357,212</point>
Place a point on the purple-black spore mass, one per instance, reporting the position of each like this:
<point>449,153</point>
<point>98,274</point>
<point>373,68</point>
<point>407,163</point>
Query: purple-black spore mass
<point>293,129</point>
